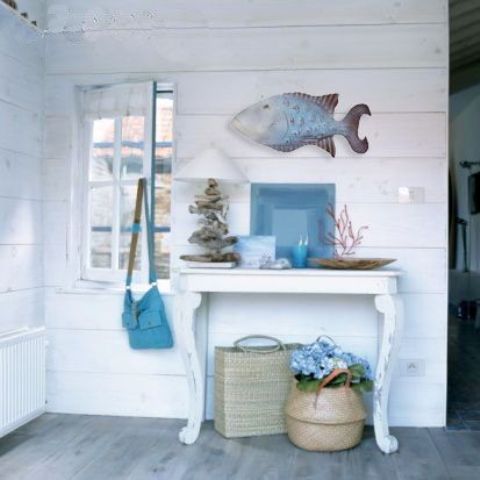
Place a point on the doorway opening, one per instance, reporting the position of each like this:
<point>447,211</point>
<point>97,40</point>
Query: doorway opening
<point>464,231</point>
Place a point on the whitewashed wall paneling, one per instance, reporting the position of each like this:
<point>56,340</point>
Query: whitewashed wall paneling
<point>114,14</point>
<point>276,48</point>
<point>89,347</point>
<point>390,135</point>
<point>223,57</point>
<point>21,41</point>
<point>107,394</point>
<point>21,308</point>
<point>20,176</point>
<point>224,93</point>
<point>394,225</point>
<point>21,131</point>
<point>21,83</point>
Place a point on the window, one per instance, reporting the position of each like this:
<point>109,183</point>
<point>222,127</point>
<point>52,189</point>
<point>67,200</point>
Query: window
<point>129,134</point>
<point>162,179</point>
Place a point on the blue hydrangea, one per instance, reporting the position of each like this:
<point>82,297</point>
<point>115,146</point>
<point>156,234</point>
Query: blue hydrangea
<point>320,358</point>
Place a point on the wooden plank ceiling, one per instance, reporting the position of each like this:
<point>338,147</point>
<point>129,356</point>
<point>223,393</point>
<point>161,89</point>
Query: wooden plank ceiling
<point>464,35</point>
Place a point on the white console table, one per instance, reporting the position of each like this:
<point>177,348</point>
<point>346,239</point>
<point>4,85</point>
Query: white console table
<point>382,284</point>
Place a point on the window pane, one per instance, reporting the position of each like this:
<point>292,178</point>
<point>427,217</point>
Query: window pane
<point>163,204</point>
<point>163,181</point>
<point>128,197</point>
<point>133,145</point>
<point>162,228</point>
<point>162,255</point>
<point>163,134</point>
<point>101,208</point>
<point>103,138</point>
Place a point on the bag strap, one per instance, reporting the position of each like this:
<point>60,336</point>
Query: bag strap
<point>333,376</point>
<point>330,378</point>
<point>142,196</point>
<point>244,348</point>
<point>152,273</point>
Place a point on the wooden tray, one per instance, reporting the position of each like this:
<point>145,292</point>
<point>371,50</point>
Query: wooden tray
<point>345,263</point>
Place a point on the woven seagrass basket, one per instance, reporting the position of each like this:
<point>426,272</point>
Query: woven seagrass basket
<point>251,388</point>
<point>325,421</point>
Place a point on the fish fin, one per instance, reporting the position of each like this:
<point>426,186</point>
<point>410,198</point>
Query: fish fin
<point>328,144</point>
<point>285,148</point>
<point>351,122</point>
<point>328,102</point>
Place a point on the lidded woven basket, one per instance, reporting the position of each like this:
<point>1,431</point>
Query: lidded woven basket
<point>329,420</point>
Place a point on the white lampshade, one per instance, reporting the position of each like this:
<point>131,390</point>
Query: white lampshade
<point>211,163</point>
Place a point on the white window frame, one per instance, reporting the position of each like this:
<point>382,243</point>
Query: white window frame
<point>81,274</point>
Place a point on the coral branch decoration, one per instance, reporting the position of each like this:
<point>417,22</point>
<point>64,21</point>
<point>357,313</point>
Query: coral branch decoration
<point>212,207</point>
<point>345,239</point>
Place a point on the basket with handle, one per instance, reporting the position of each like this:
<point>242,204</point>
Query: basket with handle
<point>251,387</point>
<point>327,420</point>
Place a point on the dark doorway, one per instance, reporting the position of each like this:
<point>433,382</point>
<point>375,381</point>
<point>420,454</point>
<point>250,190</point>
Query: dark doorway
<point>464,278</point>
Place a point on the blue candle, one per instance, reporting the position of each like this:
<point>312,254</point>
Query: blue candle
<point>299,255</point>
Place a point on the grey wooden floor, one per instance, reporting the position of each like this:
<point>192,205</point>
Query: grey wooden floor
<point>90,448</point>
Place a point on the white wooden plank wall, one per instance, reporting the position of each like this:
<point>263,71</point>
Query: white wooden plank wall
<point>21,130</point>
<point>223,56</point>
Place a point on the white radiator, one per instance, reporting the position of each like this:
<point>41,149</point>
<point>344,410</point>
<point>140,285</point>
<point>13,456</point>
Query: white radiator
<point>22,377</point>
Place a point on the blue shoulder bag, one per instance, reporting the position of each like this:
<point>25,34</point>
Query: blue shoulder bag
<point>145,319</point>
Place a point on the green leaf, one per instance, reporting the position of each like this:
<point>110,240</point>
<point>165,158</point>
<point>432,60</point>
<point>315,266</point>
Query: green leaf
<point>363,386</point>
<point>308,385</point>
<point>357,370</point>
<point>340,380</point>
<point>366,386</point>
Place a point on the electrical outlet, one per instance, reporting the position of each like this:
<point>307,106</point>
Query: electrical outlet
<point>411,195</point>
<point>412,367</point>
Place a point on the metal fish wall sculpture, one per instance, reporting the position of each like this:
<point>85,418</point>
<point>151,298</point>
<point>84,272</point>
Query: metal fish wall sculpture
<point>292,120</point>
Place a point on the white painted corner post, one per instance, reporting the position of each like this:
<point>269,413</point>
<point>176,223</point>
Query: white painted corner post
<point>382,284</point>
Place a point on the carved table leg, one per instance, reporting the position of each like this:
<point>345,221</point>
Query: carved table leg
<point>391,308</point>
<point>186,305</point>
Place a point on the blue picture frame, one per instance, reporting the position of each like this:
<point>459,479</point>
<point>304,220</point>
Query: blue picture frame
<point>290,211</point>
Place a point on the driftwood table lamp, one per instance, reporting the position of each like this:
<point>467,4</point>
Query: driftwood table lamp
<point>211,167</point>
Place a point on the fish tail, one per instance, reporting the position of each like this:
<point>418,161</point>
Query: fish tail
<point>350,122</point>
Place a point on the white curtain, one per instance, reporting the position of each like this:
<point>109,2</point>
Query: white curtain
<point>116,100</point>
